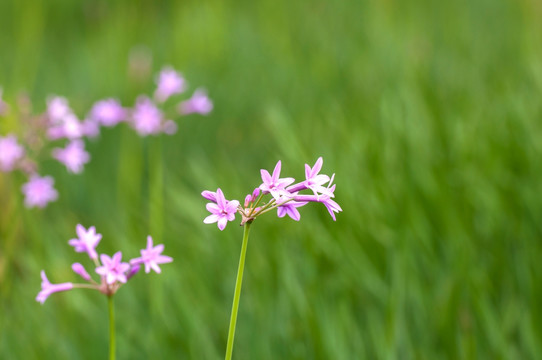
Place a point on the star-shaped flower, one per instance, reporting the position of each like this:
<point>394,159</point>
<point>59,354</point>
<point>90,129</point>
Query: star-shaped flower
<point>273,184</point>
<point>39,191</point>
<point>151,257</point>
<point>112,268</point>
<point>87,241</point>
<point>73,156</point>
<point>47,288</point>
<point>222,211</point>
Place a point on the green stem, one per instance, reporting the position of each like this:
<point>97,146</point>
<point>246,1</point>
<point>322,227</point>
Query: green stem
<point>111,328</point>
<point>237,295</point>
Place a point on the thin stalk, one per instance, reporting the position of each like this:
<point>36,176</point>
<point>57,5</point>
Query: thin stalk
<point>237,294</point>
<point>111,328</point>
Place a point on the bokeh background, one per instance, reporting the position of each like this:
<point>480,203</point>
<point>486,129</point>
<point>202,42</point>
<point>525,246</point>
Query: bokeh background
<point>429,113</point>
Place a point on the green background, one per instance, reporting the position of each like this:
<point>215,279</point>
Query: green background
<point>429,113</point>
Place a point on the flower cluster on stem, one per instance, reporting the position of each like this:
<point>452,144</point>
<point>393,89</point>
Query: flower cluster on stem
<point>112,271</point>
<point>286,197</point>
<point>59,123</point>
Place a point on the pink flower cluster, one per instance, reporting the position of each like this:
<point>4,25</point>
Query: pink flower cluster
<point>112,270</point>
<point>60,123</point>
<point>285,197</point>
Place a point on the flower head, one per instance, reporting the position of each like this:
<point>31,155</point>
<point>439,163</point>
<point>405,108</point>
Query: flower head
<point>39,191</point>
<point>169,83</point>
<point>113,269</point>
<point>222,211</point>
<point>86,241</point>
<point>57,108</point>
<point>47,288</point>
<point>73,156</point>
<point>198,103</point>
<point>10,152</point>
<point>151,257</point>
<point>108,112</point>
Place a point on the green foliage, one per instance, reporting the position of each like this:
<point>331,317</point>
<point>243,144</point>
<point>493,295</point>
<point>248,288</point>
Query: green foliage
<point>428,111</point>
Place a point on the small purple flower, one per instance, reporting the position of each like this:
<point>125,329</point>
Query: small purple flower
<point>81,271</point>
<point>169,127</point>
<point>198,103</point>
<point>151,257</point>
<point>273,184</point>
<point>113,269</point>
<point>73,156</point>
<point>47,288</point>
<point>91,128</point>
<point>290,209</point>
<point>57,108</point>
<point>68,127</point>
<point>86,241</point>
<point>108,112</point>
<point>222,211</point>
<point>39,191</point>
<point>10,152</point>
<point>169,82</point>
<point>147,118</point>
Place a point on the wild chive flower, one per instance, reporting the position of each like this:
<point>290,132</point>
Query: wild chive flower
<point>221,211</point>
<point>47,288</point>
<point>199,103</point>
<point>10,152</point>
<point>169,82</point>
<point>39,191</point>
<point>86,241</point>
<point>151,257</point>
<point>112,270</point>
<point>108,112</point>
<point>73,156</point>
<point>147,118</point>
<point>285,197</point>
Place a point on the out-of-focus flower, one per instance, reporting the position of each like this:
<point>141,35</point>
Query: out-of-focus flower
<point>108,112</point>
<point>222,211</point>
<point>57,108</point>
<point>68,127</point>
<point>73,156</point>
<point>10,152</point>
<point>47,288</point>
<point>151,257</point>
<point>91,128</point>
<point>147,118</point>
<point>169,82</point>
<point>198,103</point>
<point>87,241</point>
<point>273,184</point>
<point>113,269</point>
<point>39,191</point>
<point>169,127</point>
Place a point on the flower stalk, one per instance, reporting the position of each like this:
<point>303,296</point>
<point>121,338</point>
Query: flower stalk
<point>237,293</point>
<point>112,346</point>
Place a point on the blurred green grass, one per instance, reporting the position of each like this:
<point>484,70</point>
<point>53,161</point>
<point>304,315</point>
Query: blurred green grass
<point>429,113</point>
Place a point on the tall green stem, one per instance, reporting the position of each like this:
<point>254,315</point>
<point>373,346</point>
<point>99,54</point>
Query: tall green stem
<point>237,294</point>
<point>111,328</point>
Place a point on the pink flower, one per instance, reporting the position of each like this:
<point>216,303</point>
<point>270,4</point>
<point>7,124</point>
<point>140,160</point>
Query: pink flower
<point>113,269</point>
<point>147,118</point>
<point>73,156</point>
<point>87,241</point>
<point>169,82</point>
<point>90,128</point>
<point>198,103</point>
<point>222,211</point>
<point>10,152</point>
<point>47,288</point>
<point>108,112</point>
<point>67,127</point>
<point>289,208</point>
<point>273,184</point>
<point>57,108</point>
<point>39,191</point>
<point>151,257</point>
